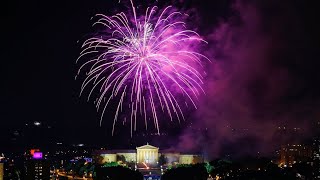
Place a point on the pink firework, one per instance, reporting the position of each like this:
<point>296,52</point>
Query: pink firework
<point>147,64</point>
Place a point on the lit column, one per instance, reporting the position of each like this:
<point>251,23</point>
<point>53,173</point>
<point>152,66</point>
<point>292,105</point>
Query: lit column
<point>153,156</point>
<point>137,158</point>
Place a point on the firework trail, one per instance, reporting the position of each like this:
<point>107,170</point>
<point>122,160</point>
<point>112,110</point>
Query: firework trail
<point>148,64</point>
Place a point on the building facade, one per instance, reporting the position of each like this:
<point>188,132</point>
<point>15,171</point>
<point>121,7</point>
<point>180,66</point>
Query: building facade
<point>1,171</point>
<point>294,153</point>
<point>37,170</point>
<point>146,154</point>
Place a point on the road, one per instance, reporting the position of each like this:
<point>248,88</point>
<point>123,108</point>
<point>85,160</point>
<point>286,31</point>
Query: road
<point>70,177</point>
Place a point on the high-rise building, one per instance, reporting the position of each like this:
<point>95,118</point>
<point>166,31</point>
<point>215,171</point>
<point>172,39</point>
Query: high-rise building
<point>37,169</point>
<point>316,157</point>
<point>316,150</point>
<point>294,153</point>
<point>1,171</point>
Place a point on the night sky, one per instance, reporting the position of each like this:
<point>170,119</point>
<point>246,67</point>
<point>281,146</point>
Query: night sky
<point>265,74</point>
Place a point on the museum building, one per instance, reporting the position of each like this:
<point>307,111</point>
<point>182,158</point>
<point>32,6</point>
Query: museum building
<point>146,154</point>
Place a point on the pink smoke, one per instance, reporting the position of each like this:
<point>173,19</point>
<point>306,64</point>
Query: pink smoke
<point>247,86</point>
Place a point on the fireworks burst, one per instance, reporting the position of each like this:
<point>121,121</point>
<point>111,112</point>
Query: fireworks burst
<point>149,64</point>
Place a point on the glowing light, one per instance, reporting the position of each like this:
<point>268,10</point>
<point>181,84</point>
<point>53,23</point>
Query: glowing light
<point>148,63</point>
<point>147,167</point>
<point>37,155</point>
<point>36,123</point>
<point>32,151</point>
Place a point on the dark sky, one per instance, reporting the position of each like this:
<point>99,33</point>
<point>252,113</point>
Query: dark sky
<point>39,49</point>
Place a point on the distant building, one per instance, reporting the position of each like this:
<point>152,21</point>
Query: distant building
<point>316,157</point>
<point>1,171</point>
<point>146,154</point>
<point>103,156</point>
<point>294,153</point>
<point>316,150</point>
<point>37,169</point>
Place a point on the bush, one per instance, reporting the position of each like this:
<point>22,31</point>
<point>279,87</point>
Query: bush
<point>189,172</point>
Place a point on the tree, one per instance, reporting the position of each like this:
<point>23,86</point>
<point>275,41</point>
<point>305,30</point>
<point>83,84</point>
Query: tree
<point>209,167</point>
<point>121,158</point>
<point>304,169</point>
<point>221,167</point>
<point>110,164</point>
<point>187,172</point>
<point>98,159</point>
<point>162,160</point>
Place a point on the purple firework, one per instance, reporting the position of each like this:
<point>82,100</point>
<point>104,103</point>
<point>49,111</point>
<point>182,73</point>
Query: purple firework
<point>148,63</point>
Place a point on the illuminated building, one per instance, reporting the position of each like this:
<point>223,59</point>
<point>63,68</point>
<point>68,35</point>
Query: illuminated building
<point>37,168</point>
<point>316,157</point>
<point>1,171</point>
<point>190,159</point>
<point>146,154</point>
<point>294,153</point>
<point>316,146</point>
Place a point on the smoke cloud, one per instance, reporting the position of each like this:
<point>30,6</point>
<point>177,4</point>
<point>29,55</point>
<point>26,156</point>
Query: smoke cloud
<point>257,97</point>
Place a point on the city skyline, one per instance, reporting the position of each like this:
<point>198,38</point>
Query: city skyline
<point>264,75</point>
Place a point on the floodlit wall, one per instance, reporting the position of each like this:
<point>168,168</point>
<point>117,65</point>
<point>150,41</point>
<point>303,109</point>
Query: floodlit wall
<point>130,157</point>
<point>190,159</point>
<point>107,158</point>
<point>186,159</point>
